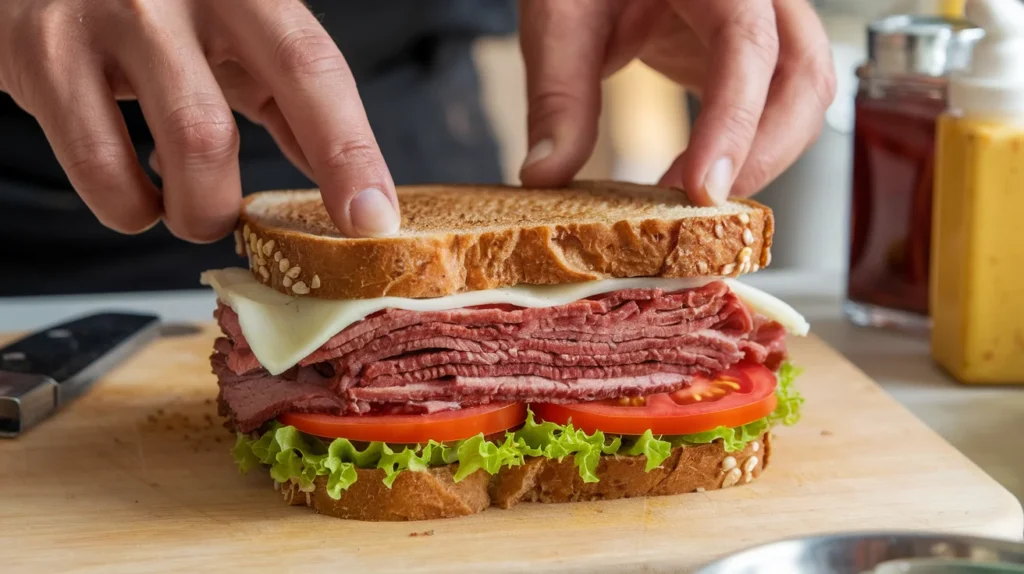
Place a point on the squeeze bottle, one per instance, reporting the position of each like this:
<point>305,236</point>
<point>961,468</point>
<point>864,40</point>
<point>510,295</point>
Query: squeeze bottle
<point>977,273</point>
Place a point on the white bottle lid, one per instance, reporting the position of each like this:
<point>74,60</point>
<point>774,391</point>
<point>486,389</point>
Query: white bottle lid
<point>993,84</point>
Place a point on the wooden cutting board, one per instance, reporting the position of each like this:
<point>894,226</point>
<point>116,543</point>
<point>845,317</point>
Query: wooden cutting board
<point>135,477</point>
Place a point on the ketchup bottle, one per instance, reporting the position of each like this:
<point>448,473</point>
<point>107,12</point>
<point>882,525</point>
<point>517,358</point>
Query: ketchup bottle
<point>902,91</point>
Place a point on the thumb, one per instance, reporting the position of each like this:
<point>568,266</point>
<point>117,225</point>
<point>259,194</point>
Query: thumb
<point>564,45</point>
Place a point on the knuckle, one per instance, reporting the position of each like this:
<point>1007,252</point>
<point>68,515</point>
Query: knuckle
<point>815,69</point>
<point>759,31</point>
<point>45,31</point>
<point>94,160</point>
<point>40,33</point>
<point>740,126</point>
<point>202,131</point>
<point>545,106</point>
<point>352,154</point>
<point>308,52</point>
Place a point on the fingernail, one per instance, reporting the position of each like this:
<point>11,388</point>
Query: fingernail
<point>372,214</point>
<point>718,181</point>
<point>539,151</point>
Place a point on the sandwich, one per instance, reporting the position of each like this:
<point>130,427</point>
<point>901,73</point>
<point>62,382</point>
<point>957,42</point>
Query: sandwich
<point>509,345</point>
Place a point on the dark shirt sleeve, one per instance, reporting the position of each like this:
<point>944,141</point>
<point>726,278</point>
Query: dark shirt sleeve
<point>421,94</point>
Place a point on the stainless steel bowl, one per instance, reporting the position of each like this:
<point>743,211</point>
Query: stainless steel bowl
<point>876,553</point>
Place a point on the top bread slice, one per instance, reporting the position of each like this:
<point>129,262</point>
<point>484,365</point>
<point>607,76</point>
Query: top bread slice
<point>457,238</point>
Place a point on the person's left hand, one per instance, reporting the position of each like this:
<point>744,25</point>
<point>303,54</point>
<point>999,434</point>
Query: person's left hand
<point>763,69</point>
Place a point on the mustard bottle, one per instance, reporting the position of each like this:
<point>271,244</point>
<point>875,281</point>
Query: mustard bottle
<point>952,8</point>
<point>948,9</point>
<point>977,274</point>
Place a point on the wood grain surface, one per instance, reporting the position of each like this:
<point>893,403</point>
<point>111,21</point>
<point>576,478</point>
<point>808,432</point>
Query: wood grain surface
<point>136,477</point>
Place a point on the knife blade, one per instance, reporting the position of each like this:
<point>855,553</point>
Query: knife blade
<point>47,369</point>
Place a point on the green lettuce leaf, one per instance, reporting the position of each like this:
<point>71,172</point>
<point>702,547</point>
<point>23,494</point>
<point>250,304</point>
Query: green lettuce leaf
<point>733,439</point>
<point>656,450</point>
<point>342,460</point>
<point>340,476</point>
<point>407,459</point>
<point>346,452</point>
<point>243,454</point>
<point>555,441</point>
<point>476,453</point>
<point>293,456</point>
<point>787,411</point>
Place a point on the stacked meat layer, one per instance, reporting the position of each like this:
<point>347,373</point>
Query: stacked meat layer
<point>626,343</point>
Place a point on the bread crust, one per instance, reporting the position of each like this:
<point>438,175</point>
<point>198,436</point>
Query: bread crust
<point>726,242</point>
<point>413,496</point>
<point>434,494</point>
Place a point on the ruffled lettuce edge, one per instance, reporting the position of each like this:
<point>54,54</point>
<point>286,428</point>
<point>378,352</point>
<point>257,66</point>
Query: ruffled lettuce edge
<point>298,458</point>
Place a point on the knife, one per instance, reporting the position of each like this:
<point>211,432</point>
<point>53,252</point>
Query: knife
<point>49,368</point>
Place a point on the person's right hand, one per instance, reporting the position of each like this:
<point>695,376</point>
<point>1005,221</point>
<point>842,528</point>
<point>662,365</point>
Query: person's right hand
<point>189,62</point>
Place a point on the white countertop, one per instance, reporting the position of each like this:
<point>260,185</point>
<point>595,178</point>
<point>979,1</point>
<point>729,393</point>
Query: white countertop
<point>983,422</point>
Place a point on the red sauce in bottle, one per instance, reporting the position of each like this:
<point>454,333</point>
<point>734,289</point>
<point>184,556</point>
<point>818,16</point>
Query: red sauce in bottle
<point>901,93</point>
<point>893,165</point>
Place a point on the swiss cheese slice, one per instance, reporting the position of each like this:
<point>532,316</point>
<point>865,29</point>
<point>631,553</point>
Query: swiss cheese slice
<point>282,329</point>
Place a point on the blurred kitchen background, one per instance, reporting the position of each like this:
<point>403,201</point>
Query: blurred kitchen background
<point>646,124</point>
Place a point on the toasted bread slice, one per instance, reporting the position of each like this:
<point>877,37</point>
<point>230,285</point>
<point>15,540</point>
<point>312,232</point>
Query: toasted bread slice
<point>434,494</point>
<point>466,238</point>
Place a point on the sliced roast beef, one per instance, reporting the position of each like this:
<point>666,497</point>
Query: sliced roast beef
<point>438,364</point>
<point>251,399</point>
<point>627,343</point>
<point>469,391</point>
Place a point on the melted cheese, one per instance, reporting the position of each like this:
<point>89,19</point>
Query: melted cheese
<point>281,329</point>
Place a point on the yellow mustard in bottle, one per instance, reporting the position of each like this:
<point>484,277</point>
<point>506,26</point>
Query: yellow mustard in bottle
<point>952,8</point>
<point>977,273</point>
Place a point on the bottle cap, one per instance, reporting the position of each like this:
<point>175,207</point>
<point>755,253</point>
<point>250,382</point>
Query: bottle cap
<point>993,83</point>
<point>928,46</point>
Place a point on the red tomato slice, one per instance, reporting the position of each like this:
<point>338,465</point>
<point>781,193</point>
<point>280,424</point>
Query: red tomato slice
<point>411,429</point>
<point>736,397</point>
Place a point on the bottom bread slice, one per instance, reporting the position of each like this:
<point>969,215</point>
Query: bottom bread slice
<point>435,494</point>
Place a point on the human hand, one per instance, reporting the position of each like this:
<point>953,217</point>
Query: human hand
<point>763,69</point>
<point>189,62</point>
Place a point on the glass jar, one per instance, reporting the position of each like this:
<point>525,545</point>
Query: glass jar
<point>901,93</point>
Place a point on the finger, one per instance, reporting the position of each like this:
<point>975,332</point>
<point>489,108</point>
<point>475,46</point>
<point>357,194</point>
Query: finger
<point>192,125</point>
<point>285,46</point>
<point>743,43</point>
<point>803,88</point>
<point>86,130</point>
<point>634,24</point>
<point>255,101</point>
<point>564,45</point>
<point>270,116</point>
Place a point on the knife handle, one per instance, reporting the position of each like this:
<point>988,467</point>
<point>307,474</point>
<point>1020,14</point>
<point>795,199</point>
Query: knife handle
<point>51,367</point>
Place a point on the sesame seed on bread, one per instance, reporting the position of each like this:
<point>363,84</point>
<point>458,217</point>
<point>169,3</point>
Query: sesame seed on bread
<point>433,493</point>
<point>457,238</point>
